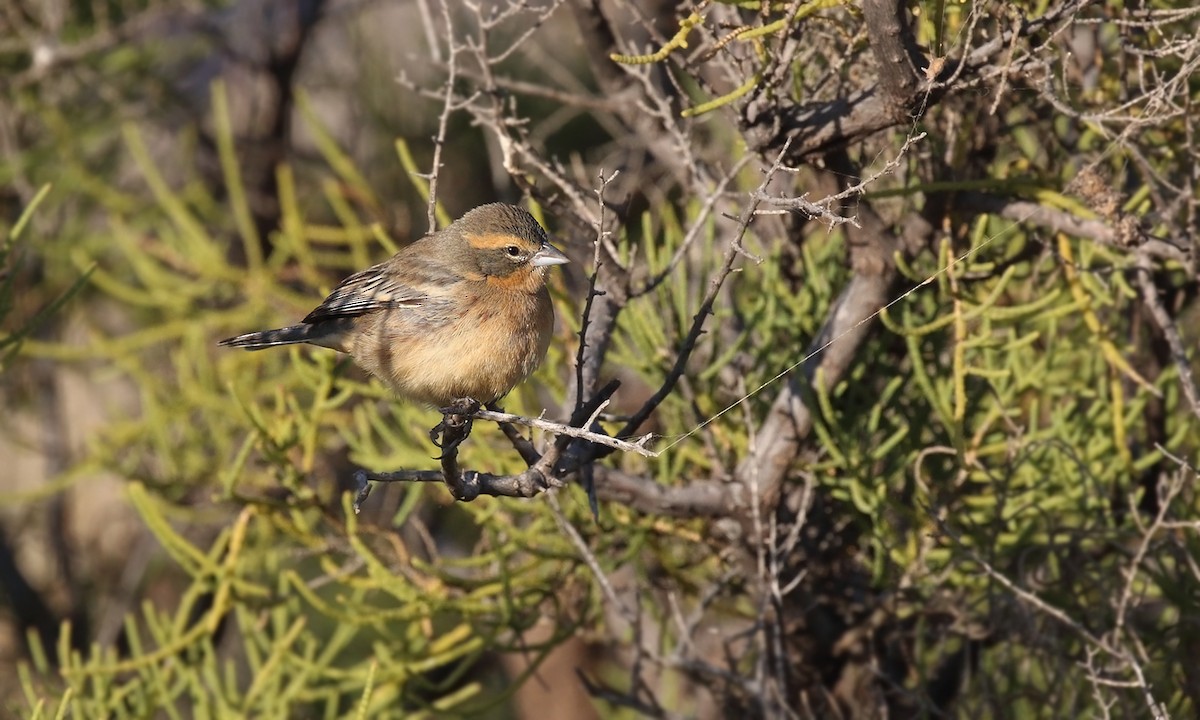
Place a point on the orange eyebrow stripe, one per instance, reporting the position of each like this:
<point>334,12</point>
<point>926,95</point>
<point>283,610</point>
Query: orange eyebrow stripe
<point>492,241</point>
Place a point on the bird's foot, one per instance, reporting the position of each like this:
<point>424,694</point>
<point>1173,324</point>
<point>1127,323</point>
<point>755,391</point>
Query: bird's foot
<point>464,407</point>
<point>455,426</point>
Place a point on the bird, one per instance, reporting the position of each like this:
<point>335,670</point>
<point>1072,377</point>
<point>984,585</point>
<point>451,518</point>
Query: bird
<point>462,314</point>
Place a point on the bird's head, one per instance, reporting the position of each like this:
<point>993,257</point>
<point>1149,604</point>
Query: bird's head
<point>504,246</point>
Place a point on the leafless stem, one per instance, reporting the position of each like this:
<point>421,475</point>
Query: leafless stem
<point>448,106</point>
<point>637,446</point>
<point>581,382</point>
<point>714,287</point>
<point>589,558</point>
<point>1169,330</point>
<point>698,225</point>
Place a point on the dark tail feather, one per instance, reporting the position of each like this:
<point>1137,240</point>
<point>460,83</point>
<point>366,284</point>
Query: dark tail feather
<point>271,338</point>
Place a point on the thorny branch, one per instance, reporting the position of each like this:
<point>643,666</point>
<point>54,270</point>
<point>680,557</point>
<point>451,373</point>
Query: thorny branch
<point>732,253</point>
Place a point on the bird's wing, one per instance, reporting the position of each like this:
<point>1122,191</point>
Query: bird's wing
<point>376,288</point>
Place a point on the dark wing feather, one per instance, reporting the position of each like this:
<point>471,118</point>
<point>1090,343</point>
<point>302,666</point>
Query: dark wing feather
<point>372,289</point>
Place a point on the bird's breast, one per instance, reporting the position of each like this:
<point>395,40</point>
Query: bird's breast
<point>484,343</point>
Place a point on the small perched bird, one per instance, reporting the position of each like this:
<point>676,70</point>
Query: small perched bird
<point>462,313</point>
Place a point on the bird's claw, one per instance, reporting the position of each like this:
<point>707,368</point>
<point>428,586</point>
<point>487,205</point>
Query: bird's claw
<point>455,426</point>
<point>462,407</point>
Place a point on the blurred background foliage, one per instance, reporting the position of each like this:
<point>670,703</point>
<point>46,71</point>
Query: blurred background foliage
<point>176,536</point>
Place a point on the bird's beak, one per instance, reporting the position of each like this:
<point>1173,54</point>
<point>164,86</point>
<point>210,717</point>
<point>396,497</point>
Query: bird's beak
<point>548,255</point>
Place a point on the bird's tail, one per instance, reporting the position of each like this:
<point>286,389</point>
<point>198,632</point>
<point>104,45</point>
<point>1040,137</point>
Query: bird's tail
<point>271,338</point>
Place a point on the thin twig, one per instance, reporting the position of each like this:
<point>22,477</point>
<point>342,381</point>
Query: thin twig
<point>638,445</point>
<point>698,225</point>
<point>1169,330</point>
<point>589,558</point>
<point>581,389</point>
<point>821,208</point>
<point>1115,652</point>
<point>448,106</point>
<point>698,320</point>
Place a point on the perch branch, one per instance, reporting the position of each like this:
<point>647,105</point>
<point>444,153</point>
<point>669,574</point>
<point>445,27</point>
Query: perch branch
<point>543,473</point>
<point>638,445</point>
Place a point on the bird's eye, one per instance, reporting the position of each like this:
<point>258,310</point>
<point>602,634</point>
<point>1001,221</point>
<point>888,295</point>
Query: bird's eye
<point>513,251</point>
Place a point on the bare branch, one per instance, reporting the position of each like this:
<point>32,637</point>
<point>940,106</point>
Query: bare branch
<point>1183,365</point>
<point>638,446</point>
<point>1061,221</point>
<point>698,320</point>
